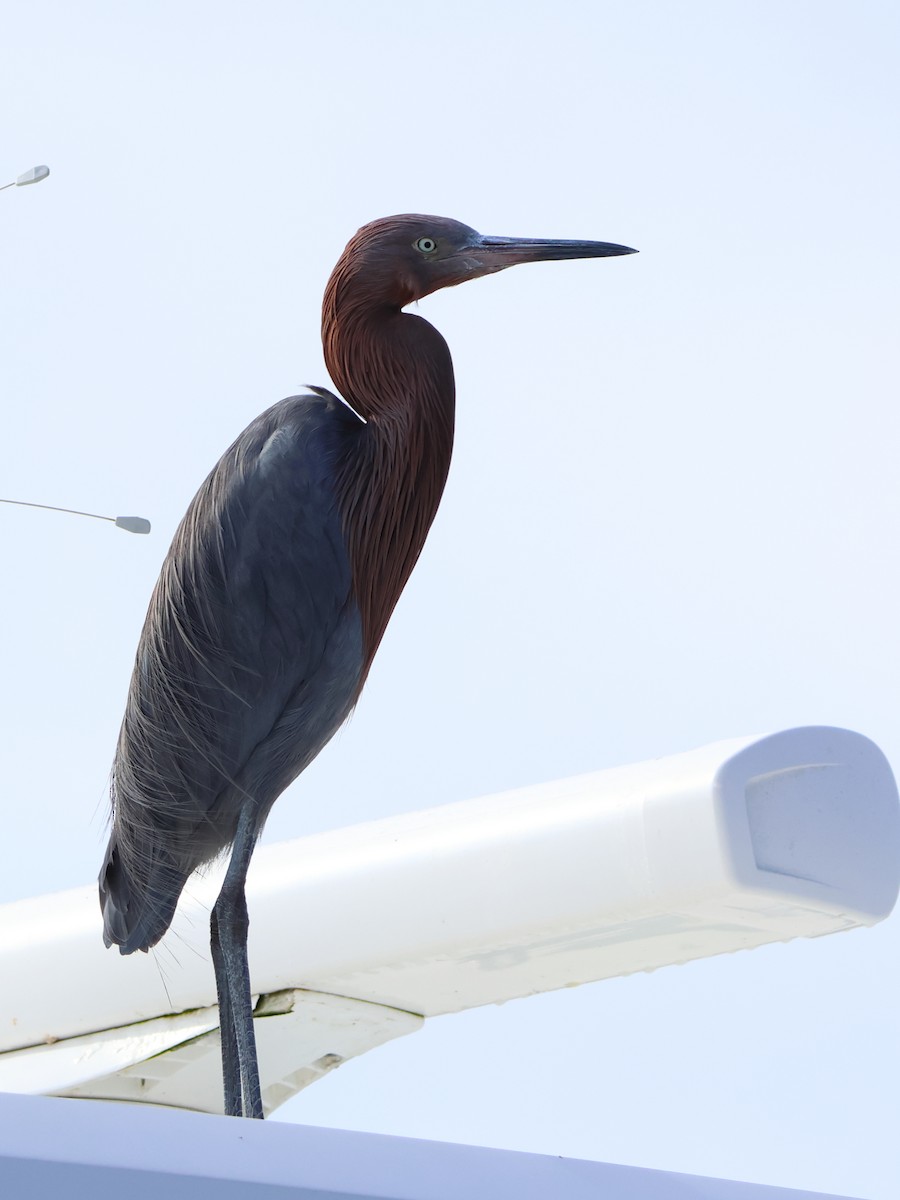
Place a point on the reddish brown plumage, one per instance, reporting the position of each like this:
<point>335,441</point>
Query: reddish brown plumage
<point>395,370</point>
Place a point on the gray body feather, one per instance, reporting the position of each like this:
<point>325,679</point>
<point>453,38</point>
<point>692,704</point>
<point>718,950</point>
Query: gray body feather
<point>252,639</point>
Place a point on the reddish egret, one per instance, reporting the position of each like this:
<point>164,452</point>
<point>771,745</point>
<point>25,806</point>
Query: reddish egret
<point>276,592</point>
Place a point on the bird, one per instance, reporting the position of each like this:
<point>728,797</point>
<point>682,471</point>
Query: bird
<point>276,592</point>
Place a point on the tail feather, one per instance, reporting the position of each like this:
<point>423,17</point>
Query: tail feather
<point>135,918</point>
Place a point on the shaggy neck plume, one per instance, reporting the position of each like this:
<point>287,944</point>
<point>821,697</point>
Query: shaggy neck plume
<point>395,370</point>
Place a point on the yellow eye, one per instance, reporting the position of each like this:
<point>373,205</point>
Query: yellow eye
<point>427,245</point>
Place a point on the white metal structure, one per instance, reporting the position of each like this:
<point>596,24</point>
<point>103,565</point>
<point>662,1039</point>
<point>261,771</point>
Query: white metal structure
<point>82,1150</point>
<point>358,935</point>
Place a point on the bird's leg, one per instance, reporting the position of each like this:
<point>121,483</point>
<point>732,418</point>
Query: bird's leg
<point>231,1075</point>
<point>231,923</point>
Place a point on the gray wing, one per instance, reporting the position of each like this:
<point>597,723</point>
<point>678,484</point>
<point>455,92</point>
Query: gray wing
<point>248,662</point>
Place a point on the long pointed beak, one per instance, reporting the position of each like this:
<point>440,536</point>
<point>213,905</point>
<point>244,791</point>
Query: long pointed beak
<point>479,255</point>
<point>496,253</point>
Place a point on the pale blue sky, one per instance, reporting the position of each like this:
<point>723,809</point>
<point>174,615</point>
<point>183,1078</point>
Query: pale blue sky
<point>673,510</point>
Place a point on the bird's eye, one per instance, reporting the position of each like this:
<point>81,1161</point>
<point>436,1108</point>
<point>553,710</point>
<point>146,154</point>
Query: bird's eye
<point>427,245</point>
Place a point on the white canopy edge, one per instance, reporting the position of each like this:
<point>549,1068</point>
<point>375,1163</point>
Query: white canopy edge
<point>90,1151</point>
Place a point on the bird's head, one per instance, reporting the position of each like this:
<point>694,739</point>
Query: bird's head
<point>396,260</point>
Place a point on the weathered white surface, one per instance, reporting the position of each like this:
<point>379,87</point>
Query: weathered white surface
<point>176,1060</point>
<point>728,847</point>
<point>92,1151</point>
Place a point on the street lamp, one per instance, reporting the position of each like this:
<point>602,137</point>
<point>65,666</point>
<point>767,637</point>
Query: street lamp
<point>35,175</point>
<point>132,524</point>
